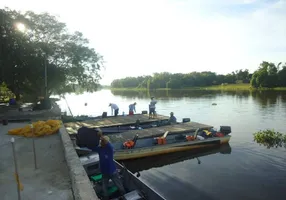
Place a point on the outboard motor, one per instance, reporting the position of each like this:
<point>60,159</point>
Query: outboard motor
<point>185,120</point>
<point>225,130</point>
<point>87,137</point>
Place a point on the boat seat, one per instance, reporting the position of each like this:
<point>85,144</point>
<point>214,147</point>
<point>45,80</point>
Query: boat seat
<point>96,178</point>
<point>110,190</point>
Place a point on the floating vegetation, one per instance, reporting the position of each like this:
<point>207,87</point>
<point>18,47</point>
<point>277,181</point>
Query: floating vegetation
<point>270,138</point>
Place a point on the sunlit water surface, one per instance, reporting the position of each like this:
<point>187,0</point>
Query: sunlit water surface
<point>250,171</point>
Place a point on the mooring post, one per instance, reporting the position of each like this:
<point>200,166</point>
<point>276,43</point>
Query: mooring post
<point>34,148</point>
<point>16,169</point>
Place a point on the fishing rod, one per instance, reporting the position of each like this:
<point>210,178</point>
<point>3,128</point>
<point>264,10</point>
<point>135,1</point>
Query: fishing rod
<point>63,96</point>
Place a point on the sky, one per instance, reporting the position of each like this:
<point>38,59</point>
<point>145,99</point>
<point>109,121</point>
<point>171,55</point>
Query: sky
<point>141,37</point>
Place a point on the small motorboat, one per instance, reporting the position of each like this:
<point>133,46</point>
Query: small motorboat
<point>151,146</point>
<point>135,188</point>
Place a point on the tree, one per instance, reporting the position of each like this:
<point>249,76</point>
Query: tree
<point>282,76</point>
<point>45,42</point>
<point>266,75</point>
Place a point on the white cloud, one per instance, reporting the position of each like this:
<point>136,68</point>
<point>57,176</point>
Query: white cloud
<point>142,37</point>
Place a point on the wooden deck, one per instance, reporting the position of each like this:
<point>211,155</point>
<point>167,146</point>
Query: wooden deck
<point>159,131</point>
<point>72,127</point>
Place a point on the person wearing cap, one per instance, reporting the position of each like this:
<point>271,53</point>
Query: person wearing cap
<point>172,119</point>
<point>152,108</point>
<point>115,108</point>
<point>132,108</point>
<point>107,165</point>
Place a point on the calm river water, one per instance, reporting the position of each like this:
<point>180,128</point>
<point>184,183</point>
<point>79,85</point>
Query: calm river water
<point>245,171</point>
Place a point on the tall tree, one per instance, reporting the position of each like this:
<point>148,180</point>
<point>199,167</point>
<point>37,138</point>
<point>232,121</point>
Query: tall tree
<point>44,41</point>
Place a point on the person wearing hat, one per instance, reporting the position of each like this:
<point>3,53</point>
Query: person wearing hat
<point>132,108</point>
<point>172,119</point>
<point>107,165</point>
<point>115,108</point>
<point>152,108</point>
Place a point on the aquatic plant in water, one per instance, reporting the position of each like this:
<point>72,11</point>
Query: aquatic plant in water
<point>270,138</point>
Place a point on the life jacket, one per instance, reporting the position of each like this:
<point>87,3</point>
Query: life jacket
<point>161,140</point>
<point>208,133</point>
<point>129,144</point>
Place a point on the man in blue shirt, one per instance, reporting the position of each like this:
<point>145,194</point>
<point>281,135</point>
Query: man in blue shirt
<point>107,165</point>
<point>172,119</point>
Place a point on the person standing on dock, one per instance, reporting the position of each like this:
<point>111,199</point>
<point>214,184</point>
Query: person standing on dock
<point>107,165</point>
<point>115,108</point>
<point>132,108</point>
<point>152,108</point>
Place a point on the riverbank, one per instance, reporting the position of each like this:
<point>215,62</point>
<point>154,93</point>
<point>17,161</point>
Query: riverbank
<point>228,87</point>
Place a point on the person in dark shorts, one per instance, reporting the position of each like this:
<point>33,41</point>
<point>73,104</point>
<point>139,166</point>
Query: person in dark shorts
<point>152,108</point>
<point>115,108</point>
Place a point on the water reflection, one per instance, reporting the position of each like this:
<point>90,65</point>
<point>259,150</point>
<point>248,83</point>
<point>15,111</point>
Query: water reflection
<point>266,98</point>
<point>162,160</point>
<point>179,176</point>
<point>263,98</point>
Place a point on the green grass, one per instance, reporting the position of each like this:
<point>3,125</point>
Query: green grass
<point>227,87</point>
<point>129,89</point>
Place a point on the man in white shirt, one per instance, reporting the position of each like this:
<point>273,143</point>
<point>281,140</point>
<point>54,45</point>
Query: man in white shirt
<point>132,109</point>
<point>152,108</point>
<point>115,108</point>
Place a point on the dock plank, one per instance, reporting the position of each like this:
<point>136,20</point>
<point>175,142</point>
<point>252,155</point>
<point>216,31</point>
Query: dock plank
<point>159,131</point>
<point>72,127</point>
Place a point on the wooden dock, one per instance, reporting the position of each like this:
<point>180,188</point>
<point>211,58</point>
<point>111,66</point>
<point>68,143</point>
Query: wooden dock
<point>72,127</point>
<point>159,131</point>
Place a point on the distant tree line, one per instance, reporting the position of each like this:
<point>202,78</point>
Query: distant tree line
<point>179,80</point>
<point>267,75</point>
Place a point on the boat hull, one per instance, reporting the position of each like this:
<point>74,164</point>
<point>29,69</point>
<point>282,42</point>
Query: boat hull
<point>130,182</point>
<point>168,148</point>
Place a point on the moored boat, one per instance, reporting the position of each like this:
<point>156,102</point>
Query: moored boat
<point>151,146</point>
<point>118,124</point>
<point>135,126</point>
<point>135,188</point>
<point>175,146</point>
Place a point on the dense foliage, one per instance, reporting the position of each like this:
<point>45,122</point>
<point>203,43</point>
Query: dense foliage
<point>270,138</point>
<point>30,41</point>
<point>269,75</point>
<point>179,80</point>
<point>5,93</point>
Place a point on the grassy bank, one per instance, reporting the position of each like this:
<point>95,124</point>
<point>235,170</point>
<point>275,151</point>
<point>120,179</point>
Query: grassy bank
<point>229,87</point>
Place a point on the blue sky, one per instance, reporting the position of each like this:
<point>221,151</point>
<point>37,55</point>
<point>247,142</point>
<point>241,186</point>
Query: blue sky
<point>140,37</point>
